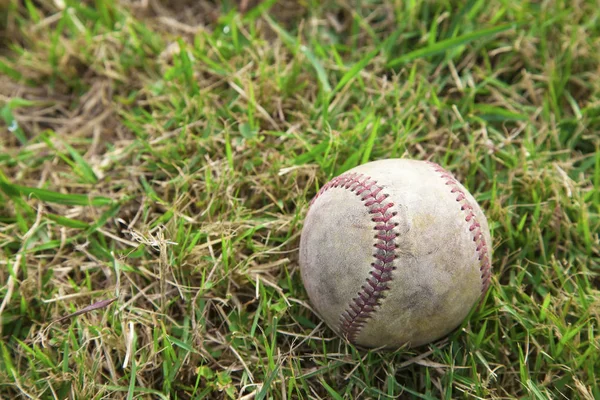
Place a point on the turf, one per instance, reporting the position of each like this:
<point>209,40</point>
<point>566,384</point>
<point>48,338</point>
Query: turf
<point>157,159</point>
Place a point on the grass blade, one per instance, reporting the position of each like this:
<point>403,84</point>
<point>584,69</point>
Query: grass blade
<point>92,307</point>
<point>266,386</point>
<point>448,44</point>
<point>321,74</point>
<point>493,113</point>
<point>355,70</point>
<point>68,222</point>
<point>86,170</point>
<point>54,197</point>
<point>334,395</point>
<point>370,142</point>
<point>14,191</point>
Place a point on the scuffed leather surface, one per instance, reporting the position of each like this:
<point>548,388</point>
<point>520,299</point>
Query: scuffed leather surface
<point>437,277</point>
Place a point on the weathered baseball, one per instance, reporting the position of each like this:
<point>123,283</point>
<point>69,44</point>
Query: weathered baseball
<point>395,252</point>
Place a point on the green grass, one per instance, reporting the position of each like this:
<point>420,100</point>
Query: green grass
<point>165,156</point>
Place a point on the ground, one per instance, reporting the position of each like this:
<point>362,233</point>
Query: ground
<point>158,157</point>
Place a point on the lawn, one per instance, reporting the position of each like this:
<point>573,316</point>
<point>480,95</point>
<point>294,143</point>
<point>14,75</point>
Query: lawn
<point>157,159</point>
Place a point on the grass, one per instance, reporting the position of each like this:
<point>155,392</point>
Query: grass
<point>157,159</point>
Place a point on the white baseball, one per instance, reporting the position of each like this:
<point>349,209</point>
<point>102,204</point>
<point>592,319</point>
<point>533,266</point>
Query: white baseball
<point>395,252</point>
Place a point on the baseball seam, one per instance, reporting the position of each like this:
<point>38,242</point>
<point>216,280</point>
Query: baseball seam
<point>368,298</point>
<point>474,225</point>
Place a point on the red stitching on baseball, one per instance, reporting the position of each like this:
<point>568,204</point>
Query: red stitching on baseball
<point>362,306</point>
<point>474,226</point>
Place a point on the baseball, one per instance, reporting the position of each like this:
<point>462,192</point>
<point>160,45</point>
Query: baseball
<point>394,252</point>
